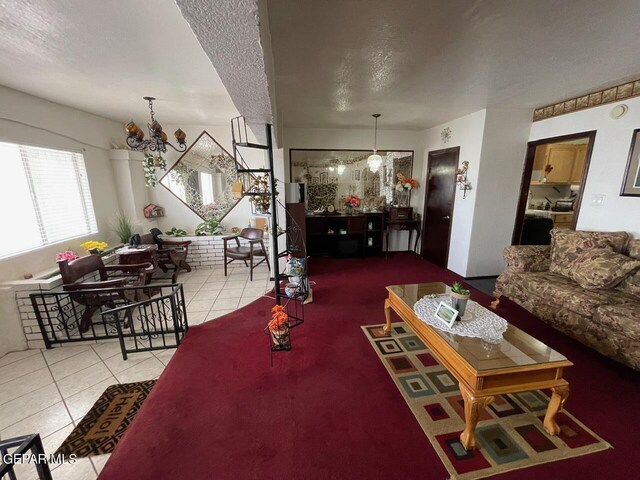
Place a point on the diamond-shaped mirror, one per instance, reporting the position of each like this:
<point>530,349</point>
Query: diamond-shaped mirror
<point>202,178</point>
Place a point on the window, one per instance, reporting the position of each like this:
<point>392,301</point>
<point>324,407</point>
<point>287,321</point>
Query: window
<point>44,198</point>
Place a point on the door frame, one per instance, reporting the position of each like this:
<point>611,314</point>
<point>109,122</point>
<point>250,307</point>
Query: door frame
<point>430,155</point>
<point>527,171</point>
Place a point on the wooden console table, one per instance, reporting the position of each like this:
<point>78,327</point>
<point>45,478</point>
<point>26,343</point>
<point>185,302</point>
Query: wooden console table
<point>403,225</point>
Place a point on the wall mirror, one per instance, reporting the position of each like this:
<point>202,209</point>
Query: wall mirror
<point>331,175</point>
<point>202,178</point>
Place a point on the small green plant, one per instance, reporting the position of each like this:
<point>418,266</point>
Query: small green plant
<point>176,232</point>
<point>457,288</point>
<point>123,228</point>
<point>209,227</point>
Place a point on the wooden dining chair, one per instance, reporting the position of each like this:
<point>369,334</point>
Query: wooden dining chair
<point>246,253</point>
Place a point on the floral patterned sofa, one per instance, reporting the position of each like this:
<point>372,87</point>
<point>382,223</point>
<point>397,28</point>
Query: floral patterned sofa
<point>586,284</point>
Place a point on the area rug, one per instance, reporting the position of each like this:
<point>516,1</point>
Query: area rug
<point>510,431</point>
<point>101,428</point>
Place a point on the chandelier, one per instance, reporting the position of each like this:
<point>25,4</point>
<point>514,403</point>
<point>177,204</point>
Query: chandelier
<point>157,141</point>
<point>375,160</point>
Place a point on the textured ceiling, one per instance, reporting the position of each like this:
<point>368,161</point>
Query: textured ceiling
<point>424,62</point>
<point>230,34</point>
<point>104,56</point>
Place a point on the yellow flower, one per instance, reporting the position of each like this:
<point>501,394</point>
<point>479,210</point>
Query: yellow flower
<point>93,244</point>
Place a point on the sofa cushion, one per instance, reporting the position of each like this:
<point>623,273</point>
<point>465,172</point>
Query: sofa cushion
<point>623,319</point>
<point>633,250</point>
<point>599,268</point>
<point>563,292</point>
<point>568,245</point>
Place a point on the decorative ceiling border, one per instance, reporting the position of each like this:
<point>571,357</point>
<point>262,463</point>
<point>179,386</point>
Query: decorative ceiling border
<point>590,100</point>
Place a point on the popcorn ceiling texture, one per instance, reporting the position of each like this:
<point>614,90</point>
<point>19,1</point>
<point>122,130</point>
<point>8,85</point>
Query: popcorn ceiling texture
<point>229,33</point>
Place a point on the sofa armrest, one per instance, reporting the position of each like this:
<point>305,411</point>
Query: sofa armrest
<point>527,258</point>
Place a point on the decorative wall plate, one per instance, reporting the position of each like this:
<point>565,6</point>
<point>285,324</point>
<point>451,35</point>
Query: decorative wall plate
<point>618,111</point>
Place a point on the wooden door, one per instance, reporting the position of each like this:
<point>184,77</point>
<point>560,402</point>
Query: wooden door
<point>438,209</point>
<point>578,164</point>
<point>560,158</point>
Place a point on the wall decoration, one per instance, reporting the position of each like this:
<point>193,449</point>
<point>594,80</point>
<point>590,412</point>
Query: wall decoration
<point>333,179</point>
<point>203,178</point>
<point>356,175</point>
<point>594,99</point>
<point>324,178</point>
<point>631,181</point>
<point>461,179</point>
<point>446,135</point>
<point>153,211</point>
<point>315,181</point>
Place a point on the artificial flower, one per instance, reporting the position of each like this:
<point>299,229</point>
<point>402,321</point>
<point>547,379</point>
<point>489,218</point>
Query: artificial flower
<point>94,245</point>
<point>68,255</point>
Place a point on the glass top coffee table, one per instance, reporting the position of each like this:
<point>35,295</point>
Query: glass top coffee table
<point>519,363</point>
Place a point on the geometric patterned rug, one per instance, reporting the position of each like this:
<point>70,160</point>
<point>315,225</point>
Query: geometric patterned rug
<point>509,433</point>
<point>101,428</point>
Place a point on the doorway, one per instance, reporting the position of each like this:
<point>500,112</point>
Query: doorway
<point>438,204</point>
<point>553,178</point>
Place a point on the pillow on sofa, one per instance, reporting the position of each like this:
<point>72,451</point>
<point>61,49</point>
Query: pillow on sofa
<point>601,268</point>
<point>568,245</point>
<point>631,284</point>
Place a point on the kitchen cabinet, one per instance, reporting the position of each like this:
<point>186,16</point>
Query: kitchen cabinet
<point>562,220</point>
<point>579,164</point>
<point>566,161</point>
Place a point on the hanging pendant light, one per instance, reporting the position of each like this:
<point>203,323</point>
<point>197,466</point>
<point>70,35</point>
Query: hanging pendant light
<point>375,160</point>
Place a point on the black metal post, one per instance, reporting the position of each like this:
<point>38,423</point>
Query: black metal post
<point>274,217</point>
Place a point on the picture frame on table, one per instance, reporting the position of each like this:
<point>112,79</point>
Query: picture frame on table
<point>631,179</point>
<point>446,313</point>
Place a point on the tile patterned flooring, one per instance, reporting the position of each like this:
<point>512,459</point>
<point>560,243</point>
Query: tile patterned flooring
<point>49,391</point>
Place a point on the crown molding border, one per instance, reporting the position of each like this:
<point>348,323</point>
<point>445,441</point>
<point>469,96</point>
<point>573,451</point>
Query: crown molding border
<point>595,99</point>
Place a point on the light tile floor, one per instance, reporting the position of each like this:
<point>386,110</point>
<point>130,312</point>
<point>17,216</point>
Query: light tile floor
<point>49,391</point>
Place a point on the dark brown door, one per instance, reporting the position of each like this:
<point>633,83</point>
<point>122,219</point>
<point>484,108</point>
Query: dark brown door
<point>438,209</point>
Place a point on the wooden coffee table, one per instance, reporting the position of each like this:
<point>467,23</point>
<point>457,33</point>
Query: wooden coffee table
<point>519,363</point>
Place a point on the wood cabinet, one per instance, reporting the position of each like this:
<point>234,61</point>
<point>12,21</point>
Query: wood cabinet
<point>563,220</point>
<point>567,162</point>
<point>579,164</point>
<point>345,235</point>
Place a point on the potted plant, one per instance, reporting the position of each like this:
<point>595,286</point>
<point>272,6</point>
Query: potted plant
<point>176,232</point>
<point>123,228</point>
<point>209,227</point>
<point>459,298</point>
<point>278,328</point>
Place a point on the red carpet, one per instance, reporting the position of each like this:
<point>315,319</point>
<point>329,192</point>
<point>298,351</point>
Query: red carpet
<point>328,409</point>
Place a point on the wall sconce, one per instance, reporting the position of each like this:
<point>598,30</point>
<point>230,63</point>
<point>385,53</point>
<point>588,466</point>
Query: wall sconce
<point>461,179</point>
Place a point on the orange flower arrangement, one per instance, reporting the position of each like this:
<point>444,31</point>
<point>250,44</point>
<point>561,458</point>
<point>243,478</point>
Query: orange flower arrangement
<point>278,318</point>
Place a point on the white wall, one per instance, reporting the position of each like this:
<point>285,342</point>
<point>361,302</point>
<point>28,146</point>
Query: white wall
<point>493,141</point>
<point>467,133</point>
<point>608,162</point>
<point>33,121</point>
<point>497,188</point>
<point>362,139</point>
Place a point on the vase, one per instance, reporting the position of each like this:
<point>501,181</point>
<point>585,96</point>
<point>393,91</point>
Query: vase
<point>459,302</point>
<point>349,210</point>
<point>281,338</point>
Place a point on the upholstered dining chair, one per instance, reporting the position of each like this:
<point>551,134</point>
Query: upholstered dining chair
<point>170,253</point>
<point>104,291</point>
<point>255,248</point>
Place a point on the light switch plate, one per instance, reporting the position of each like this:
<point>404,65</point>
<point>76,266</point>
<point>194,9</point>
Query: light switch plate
<point>597,199</point>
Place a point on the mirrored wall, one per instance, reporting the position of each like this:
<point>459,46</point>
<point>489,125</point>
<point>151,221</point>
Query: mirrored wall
<point>202,178</point>
<point>332,175</point>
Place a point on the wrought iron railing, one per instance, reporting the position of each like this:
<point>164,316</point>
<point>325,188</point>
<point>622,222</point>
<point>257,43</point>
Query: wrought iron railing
<point>19,450</point>
<point>145,318</point>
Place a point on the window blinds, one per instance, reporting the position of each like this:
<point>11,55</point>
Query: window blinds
<point>44,197</point>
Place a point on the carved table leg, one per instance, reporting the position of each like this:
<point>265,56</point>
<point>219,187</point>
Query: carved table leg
<point>559,395</point>
<point>387,315</point>
<point>472,408</point>
<point>496,302</point>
